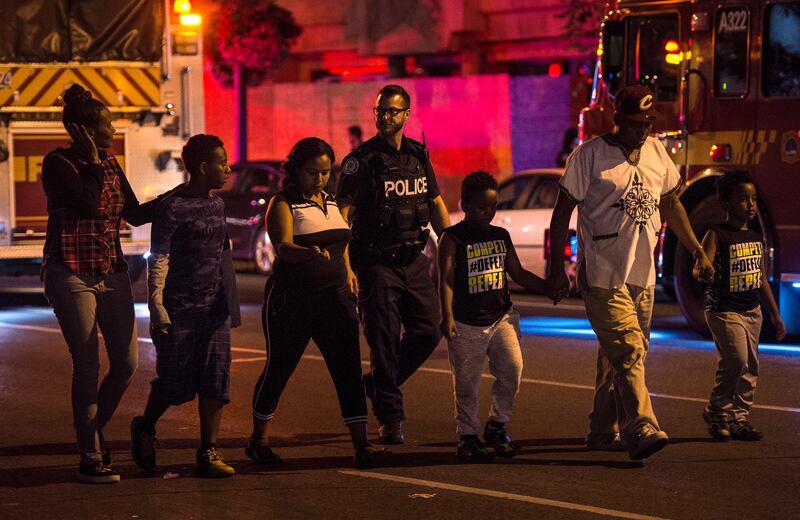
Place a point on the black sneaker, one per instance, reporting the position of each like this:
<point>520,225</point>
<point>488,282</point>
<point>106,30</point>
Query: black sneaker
<point>104,451</point>
<point>262,454</point>
<point>743,431</point>
<point>471,449</point>
<point>143,441</point>
<point>369,457</point>
<point>391,433</point>
<point>717,426</point>
<point>97,473</point>
<point>496,436</point>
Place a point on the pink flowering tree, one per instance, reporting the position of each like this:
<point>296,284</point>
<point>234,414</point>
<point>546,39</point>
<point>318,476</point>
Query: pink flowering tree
<point>247,40</point>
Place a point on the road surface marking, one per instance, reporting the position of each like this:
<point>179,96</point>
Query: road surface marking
<point>425,369</point>
<point>583,387</point>
<point>501,494</point>
<point>546,305</point>
<point>249,359</point>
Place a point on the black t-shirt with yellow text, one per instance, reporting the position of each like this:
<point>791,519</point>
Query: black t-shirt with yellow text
<point>480,293</point>
<point>737,265</point>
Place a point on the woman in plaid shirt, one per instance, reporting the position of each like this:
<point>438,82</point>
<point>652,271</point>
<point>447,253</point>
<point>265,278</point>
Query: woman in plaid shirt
<point>84,271</point>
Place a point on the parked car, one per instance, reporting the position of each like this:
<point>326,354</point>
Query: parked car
<point>246,195</point>
<point>525,203</point>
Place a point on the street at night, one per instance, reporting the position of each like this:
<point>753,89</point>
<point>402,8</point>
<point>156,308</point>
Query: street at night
<point>515,259</point>
<point>552,477</point>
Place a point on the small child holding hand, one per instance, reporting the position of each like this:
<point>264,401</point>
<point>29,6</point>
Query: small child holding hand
<point>733,309</point>
<point>478,318</point>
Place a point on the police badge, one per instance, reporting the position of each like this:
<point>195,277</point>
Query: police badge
<point>350,166</point>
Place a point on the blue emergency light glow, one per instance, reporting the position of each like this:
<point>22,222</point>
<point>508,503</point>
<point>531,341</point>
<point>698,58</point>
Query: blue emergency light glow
<point>663,338</point>
<point>796,285</point>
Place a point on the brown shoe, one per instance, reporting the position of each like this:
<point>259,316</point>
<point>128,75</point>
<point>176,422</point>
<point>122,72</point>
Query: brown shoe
<point>646,442</point>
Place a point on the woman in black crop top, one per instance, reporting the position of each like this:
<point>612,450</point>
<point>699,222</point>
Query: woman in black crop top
<point>311,295</point>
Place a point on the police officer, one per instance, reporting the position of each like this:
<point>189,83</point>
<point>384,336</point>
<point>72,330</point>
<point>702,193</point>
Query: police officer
<point>388,191</point>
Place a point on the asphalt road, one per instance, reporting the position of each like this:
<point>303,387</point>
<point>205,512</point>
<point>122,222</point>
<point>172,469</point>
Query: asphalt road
<point>553,476</point>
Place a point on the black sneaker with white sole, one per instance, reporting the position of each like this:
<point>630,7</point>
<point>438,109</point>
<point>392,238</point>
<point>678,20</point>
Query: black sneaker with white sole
<point>97,473</point>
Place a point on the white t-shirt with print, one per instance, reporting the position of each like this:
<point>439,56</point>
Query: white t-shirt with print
<point>618,217</point>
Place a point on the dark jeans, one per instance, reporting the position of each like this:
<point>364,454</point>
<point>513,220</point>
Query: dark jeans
<point>290,320</point>
<point>392,297</point>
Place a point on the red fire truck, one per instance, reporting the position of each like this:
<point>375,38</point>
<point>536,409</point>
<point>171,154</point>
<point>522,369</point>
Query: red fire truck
<point>726,76</point>
<point>142,59</point>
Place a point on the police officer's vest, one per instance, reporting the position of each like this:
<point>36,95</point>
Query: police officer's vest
<point>399,205</point>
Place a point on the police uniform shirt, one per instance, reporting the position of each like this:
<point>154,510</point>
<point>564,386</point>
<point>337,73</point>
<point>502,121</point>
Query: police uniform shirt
<point>618,217</point>
<point>355,184</point>
<point>737,270</point>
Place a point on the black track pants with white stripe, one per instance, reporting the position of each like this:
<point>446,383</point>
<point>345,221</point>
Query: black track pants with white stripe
<point>290,319</point>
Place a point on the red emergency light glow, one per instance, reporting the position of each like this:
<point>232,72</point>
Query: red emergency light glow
<point>554,70</point>
<point>720,152</point>
<point>354,72</point>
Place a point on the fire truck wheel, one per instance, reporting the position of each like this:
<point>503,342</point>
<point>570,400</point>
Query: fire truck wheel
<point>263,252</point>
<point>689,292</point>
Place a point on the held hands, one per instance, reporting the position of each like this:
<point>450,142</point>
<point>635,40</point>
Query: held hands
<point>448,327</point>
<point>83,144</point>
<point>556,286</point>
<point>703,271</point>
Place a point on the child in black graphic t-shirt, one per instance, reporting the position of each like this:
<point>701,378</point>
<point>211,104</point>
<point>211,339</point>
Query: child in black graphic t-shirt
<point>733,311</point>
<point>478,318</point>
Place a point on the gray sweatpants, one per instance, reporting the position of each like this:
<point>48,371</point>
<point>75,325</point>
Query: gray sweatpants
<point>82,304</point>
<point>736,337</point>
<point>468,351</point>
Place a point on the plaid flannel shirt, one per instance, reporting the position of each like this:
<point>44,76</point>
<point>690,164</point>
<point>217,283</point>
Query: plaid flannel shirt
<point>88,245</point>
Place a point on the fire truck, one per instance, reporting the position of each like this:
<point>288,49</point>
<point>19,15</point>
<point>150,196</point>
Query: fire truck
<point>141,58</point>
<point>726,77</point>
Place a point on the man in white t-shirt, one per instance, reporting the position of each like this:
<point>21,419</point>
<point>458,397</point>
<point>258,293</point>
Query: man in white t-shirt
<point>623,184</point>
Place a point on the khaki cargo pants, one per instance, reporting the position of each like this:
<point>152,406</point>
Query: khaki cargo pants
<point>621,320</point>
